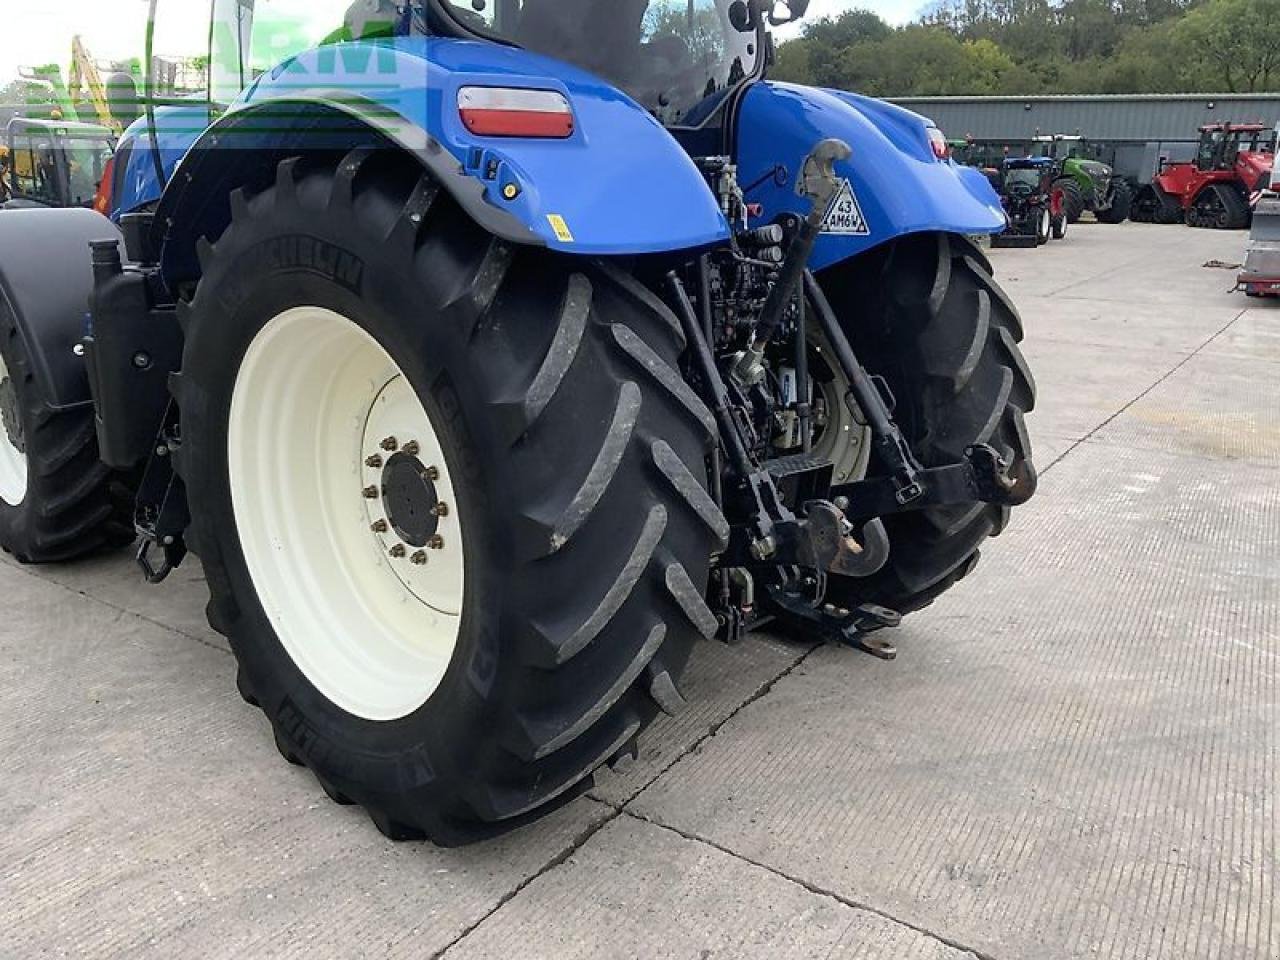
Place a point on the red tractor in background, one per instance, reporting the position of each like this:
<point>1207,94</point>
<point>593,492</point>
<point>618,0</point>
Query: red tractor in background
<point>1232,163</point>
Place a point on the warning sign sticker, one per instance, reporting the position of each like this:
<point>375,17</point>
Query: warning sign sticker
<point>844,216</point>
<point>561,227</point>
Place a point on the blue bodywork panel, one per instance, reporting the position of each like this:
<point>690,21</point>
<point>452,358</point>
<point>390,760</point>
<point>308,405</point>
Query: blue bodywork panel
<point>898,185</point>
<point>137,181</point>
<point>621,184</point>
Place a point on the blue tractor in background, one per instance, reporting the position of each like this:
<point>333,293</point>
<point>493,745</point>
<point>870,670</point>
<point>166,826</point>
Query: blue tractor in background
<point>490,354</point>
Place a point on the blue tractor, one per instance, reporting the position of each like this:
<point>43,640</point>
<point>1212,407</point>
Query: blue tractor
<point>490,355</point>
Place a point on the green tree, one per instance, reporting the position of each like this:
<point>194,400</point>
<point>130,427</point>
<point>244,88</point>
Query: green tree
<point>1019,47</point>
<point>1236,41</point>
<point>826,41</point>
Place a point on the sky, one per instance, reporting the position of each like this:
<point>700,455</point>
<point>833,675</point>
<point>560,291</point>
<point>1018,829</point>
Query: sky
<point>40,32</point>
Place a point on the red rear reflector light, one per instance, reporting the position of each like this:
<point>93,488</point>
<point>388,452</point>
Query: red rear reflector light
<point>512,112</point>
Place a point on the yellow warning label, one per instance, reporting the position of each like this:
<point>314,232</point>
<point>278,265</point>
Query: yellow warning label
<point>558,224</point>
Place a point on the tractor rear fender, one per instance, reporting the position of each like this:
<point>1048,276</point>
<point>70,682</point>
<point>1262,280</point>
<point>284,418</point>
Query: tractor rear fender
<point>618,184</point>
<point>46,278</point>
<point>898,185</point>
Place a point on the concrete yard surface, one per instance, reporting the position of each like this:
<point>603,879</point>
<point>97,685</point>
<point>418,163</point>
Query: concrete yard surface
<point>1074,755</point>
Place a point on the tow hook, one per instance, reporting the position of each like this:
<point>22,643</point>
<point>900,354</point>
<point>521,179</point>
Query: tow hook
<point>828,542</point>
<point>999,481</point>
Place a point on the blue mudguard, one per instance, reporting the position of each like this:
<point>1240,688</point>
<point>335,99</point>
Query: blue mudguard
<point>896,185</point>
<point>137,179</point>
<point>620,184</point>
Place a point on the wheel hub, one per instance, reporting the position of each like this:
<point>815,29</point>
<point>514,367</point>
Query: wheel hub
<point>410,499</point>
<point>9,417</point>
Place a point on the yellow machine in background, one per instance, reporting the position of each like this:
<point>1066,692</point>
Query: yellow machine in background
<point>112,102</point>
<point>85,85</point>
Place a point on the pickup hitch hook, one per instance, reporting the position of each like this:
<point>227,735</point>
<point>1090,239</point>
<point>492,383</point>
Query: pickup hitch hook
<point>828,542</point>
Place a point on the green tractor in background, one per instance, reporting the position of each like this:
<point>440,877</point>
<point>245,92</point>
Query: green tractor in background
<point>1087,183</point>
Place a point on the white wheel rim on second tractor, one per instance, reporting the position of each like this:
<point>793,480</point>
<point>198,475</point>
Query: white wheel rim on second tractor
<point>13,462</point>
<point>366,604</point>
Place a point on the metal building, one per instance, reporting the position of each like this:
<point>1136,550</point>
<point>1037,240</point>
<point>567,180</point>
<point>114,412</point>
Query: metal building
<point>1139,130</point>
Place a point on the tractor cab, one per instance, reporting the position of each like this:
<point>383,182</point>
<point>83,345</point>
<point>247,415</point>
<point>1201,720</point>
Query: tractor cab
<point>1222,144</point>
<point>53,163</point>
<point>672,56</point>
<point>678,58</point>
<point>1061,146</point>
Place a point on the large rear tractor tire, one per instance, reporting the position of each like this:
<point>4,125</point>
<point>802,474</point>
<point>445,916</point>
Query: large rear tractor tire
<point>1121,202</point>
<point>1219,207</point>
<point>58,502</point>
<point>925,313</point>
<point>1073,198</point>
<point>450,496</point>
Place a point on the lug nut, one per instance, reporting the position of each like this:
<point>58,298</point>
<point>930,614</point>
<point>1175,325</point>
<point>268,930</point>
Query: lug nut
<point>440,510</point>
<point>436,542</point>
<point>433,474</point>
<point>374,462</point>
<point>391,444</point>
<point>419,559</point>
<point>371,493</point>
<point>379,526</point>
<point>398,551</point>
<point>412,448</point>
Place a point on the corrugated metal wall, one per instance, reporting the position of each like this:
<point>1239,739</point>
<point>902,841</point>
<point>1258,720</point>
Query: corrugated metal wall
<point>1116,118</point>
<point>1139,132</point>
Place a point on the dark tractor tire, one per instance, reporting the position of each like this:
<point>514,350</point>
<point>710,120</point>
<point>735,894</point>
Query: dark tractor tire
<point>551,387</point>
<point>58,502</point>
<point>1044,226</point>
<point>1152,204</point>
<point>1060,227</point>
<point>1121,202</point>
<point>1219,206</point>
<point>1073,198</point>
<point>925,313</point>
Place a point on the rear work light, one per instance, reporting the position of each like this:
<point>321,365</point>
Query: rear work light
<point>938,142</point>
<point>513,112</point>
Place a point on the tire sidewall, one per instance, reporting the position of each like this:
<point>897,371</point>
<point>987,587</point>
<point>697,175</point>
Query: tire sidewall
<point>26,395</point>
<point>260,272</point>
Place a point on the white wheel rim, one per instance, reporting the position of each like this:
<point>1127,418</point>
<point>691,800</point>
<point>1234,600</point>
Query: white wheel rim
<point>1045,223</point>
<point>13,462</point>
<point>371,625</point>
<point>844,439</point>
